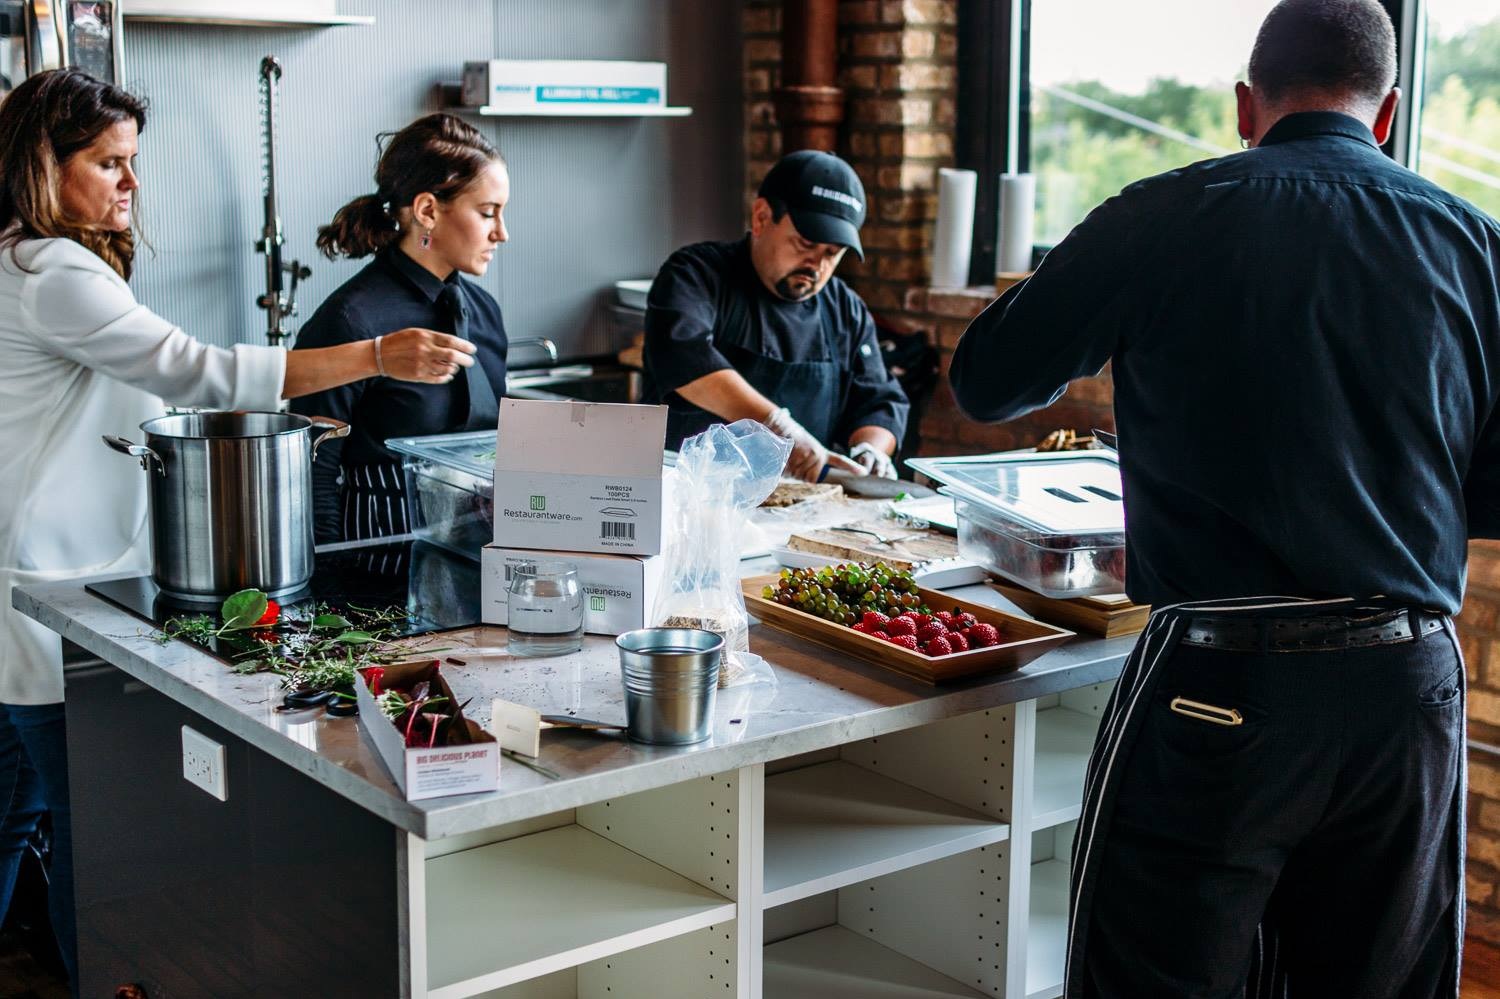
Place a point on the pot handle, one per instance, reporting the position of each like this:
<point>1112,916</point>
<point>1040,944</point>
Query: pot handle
<point>147,456</point>
<point>331,428</point>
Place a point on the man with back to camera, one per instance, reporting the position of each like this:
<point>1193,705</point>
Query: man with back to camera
<point>759,328</point>
<point>1306,348</point>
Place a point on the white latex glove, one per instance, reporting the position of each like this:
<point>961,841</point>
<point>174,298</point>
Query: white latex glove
<point>873,460</point>
<point>808,454</point>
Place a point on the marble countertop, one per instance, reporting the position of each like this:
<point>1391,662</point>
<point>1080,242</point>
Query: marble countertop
<point>821,699</point>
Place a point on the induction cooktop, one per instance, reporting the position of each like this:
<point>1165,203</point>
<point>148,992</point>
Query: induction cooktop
<point>417,587</point>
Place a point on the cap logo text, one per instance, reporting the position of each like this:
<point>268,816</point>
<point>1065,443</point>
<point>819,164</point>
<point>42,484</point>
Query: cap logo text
<point>839,196</point>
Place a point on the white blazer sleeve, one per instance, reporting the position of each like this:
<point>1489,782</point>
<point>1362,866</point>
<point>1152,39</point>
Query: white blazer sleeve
<point>83,311</point>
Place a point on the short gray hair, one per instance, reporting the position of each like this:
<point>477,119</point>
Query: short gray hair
<point>1344,47</point>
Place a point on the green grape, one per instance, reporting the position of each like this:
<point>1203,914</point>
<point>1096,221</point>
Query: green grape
<point>768,592</point>
<point>786,574</point>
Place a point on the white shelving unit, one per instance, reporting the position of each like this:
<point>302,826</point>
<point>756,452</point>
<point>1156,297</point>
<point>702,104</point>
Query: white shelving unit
<point>582,111</point>
<point>244,18</point>
<point>923,864</point>
<point>1064,738</point>
<point>834,824</point>
<point>1046,938</point>
<point>837,963</point>
<point>631,902</point>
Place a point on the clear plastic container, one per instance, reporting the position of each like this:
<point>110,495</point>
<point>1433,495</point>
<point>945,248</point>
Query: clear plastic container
<point>450,488</point>
<point>1053,522</point>
<point>1054,565</point>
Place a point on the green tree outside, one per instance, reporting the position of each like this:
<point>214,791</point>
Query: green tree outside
<point>1082,157</point>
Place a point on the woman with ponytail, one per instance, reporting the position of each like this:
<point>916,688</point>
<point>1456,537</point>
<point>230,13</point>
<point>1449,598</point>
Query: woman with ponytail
<point>84,359</point>
<point>436,214</point>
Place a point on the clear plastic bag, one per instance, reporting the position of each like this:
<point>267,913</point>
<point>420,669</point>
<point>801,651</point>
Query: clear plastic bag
<point>722,474</point>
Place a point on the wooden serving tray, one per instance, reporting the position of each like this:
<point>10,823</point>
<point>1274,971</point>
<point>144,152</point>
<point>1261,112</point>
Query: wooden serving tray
<point>1021,639</point>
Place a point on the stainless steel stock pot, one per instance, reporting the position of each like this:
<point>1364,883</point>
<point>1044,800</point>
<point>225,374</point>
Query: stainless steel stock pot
<point>231,500</point>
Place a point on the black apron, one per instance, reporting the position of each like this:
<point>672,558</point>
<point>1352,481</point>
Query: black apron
<point>812,391</point>
<point>1121,724</point>
<point>375,501</point>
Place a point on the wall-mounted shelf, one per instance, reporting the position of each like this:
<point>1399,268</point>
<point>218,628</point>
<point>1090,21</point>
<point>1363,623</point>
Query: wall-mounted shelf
<point>246,19</point>
<point>570,111</point>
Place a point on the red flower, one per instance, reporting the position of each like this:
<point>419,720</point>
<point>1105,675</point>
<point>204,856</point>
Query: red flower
<point>272,614</point>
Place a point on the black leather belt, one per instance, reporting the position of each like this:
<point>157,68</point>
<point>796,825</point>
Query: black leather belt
<point>1357,629</point>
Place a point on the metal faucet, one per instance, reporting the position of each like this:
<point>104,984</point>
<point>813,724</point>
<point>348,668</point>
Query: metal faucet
<point>279,307</point>
<point>547,346</point>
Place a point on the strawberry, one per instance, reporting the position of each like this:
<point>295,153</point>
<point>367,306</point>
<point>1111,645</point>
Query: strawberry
<point>964,620</point>
<point>860,627</point>
<point>938,647</point>
<point>874,619</point>
<point>982,636</point>
<point>945,618</point>
<point>928,632</point>
<point>958,641</point>
<point>901,626</point>
<point>922,620</point>
<point>272,614</point>
<point>905,641</point>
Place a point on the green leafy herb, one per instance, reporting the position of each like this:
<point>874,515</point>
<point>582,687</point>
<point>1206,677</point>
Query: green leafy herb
<point>356,638</point>
<point>328,622</point>
<point>243,610</point>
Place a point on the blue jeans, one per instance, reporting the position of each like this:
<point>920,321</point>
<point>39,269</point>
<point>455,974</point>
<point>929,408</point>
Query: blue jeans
<point>33,780</point>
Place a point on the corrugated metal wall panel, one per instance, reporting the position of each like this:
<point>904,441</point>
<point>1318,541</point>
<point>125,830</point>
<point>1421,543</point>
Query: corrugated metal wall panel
<point>592,201</point>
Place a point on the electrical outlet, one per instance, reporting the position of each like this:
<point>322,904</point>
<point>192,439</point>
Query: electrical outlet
<point>203,763</point>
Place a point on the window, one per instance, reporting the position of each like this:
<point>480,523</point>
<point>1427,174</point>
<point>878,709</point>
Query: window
<point>1459,125</point>
<point>1121,91</point>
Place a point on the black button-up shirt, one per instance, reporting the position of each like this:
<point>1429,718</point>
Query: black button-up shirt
<point>391,293</point>
<point>1306,346</point>
<point>709,311</point>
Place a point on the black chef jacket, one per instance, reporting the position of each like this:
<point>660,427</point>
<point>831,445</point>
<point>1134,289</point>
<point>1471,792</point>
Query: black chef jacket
<point>391,293</point>
<point>1306,345</point>
<point>708,311</point>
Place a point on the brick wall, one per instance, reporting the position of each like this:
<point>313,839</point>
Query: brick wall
<point>1480,638</point>
<point>898,68</point>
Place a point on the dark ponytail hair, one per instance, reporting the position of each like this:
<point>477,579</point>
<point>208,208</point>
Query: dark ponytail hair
<point>43,123</point>
<point>439,154</point>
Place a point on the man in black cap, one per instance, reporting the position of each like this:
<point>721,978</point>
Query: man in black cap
<point>759,328</point>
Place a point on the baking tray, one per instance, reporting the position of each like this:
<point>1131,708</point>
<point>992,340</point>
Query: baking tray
<point>1021,639</point>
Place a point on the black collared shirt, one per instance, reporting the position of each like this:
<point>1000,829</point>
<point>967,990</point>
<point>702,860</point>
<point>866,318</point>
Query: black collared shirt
<point>709,311</point>
<point>392,293</point>
<point>1306,347</point>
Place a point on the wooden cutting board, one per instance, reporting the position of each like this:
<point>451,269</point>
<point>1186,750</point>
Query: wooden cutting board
<point>907,547</point>
<point>1109,616</point>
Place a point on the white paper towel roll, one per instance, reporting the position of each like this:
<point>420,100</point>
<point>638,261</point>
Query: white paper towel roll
<point>953,241</point>
<point>1017,223</point>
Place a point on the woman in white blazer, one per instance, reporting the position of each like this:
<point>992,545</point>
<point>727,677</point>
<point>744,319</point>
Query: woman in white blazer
<point>83,359</point>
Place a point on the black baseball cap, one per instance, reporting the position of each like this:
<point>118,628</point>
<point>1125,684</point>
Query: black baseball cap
<point>823,195</point>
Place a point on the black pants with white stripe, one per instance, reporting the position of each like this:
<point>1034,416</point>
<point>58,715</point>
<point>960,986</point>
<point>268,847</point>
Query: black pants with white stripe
<point>1314,850</point>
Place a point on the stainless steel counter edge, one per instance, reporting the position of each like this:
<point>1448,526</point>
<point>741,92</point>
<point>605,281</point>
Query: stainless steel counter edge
<point>824,700</point>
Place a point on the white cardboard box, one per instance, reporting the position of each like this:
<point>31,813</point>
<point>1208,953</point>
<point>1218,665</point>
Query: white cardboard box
<point>427,773</point>
<point>580,477</point>
<point>525,84</point>
<point>618,590</point>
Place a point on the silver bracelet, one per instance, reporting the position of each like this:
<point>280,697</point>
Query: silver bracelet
<point>379,365</point>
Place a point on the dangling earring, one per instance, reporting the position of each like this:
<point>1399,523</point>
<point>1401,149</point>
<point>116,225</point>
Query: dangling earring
<point>425,242</point>
<point>1244,142</point>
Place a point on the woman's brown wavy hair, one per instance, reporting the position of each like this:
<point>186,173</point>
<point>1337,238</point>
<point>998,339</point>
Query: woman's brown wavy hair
<point>438,153</point>
<point>44,122</point>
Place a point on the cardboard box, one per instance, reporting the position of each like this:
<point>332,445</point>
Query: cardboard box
<point>580,477</point>
<point>527,84</point>
<point>427,773</point>
<point>618,590</point>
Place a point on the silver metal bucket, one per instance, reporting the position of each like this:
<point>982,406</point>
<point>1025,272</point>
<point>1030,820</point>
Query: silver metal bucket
<point>231,500</point>
<point>671,677</point>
